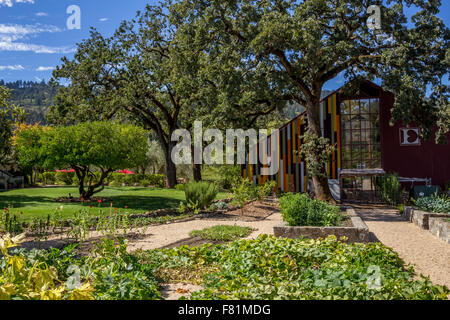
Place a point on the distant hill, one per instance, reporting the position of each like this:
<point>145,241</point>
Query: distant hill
<point>34,97</point>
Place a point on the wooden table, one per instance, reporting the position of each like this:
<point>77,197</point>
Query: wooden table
<point>358,173</point>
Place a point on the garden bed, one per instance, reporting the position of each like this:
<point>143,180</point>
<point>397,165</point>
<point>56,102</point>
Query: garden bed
<point>440,227</point>
<point>421,218</point>
<point>353,229</point>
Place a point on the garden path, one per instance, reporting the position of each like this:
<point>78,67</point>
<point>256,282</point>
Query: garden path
<point>429,255</point>
<point>163,235</point>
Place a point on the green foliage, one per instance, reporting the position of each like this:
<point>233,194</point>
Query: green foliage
<point>22,279</point>
<point>390,189</point>
<point>10,223</point>
<point>111,272</point>
<point>9,114</point>
<point>48,177</point>
<point>117,179</point>
<point>244,191</point>
<point>200,195</point>
<point>222,233</point>
<point>229,176</point>
<point>65,178</point>
<point>180,187</point>
<point>317,152</point>
<point>435,203</point>
<point>33,96</point>
<point>272,268</point>
<point>300,210</point>
<point>107,146</point>
<point>144,182</point>
<point>266,190</point>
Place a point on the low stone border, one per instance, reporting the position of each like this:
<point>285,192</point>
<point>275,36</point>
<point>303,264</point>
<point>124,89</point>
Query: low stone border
<point>440,227</point>
<point>421,218</point>
<point>358,233</point>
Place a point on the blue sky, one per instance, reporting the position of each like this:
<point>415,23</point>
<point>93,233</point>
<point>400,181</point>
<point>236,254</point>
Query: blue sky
<point>34,36</point>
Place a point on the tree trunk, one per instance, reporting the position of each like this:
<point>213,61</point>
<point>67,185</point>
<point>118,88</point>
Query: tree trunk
<point>197,172</point>
<point>171,169</point>
<point>196,168</point>
<point>320,184</point>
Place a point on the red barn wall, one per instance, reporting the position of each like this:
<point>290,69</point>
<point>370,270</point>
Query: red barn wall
<point>429,160</point>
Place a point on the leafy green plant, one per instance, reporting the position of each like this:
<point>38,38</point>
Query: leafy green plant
<point>48,177</point>
<point>65,178</point>
<point>435,203</point>
<point>266,190</point>
<point>300,210</point>
<point>180,187</point>
<point>222,233</point>
<point>10,223</point>
<point>22,279</point>
<point>270,268</point>
<point>200,195</point>
<point>390,189</point>
<point>229,176</point>
<point>243,192</point>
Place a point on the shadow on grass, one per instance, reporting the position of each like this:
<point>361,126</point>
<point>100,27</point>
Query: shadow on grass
<point>146,203</point>
<point>132,202</point>
<point>22,201</point>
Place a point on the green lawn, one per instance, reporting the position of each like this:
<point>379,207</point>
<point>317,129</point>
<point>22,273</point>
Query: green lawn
<point>38,202</point>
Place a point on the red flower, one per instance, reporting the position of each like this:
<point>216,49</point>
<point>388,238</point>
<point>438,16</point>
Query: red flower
<point>90,206</point>
<point>21,212</point>
<point>126,207</point>
<point>99,201</point>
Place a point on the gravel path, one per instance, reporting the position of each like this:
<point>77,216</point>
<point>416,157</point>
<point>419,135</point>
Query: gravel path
<point>166,234</point>
<point>429,255</point>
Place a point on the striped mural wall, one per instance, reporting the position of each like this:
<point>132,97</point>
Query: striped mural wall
<point>292,176</point>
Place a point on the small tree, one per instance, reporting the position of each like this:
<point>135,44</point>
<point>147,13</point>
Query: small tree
<point>104,146</point>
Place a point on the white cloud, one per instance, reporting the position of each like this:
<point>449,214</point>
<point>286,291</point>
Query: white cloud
<point>104,19</point>
<point>19,46</point>
<point>17,67</point>
<point>10,33</point>
<point>21,31</point>
<point>41,68</point>
<point>42,14</point>
<point>9,3</point>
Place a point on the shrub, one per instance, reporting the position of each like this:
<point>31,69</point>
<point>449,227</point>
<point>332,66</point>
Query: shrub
<point>65,178</point>
<point>266,190</point>
<point>390,189</point>
<point>200,195</point>
<point>48,178</point>
<point>244,191</point>
<point>222,233</point>
<point>229,176</point>
<point>220,205</point>
<point>300,210</point>
<point>180,187</point>
<point>438,204</point>
<point>117,179</point>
